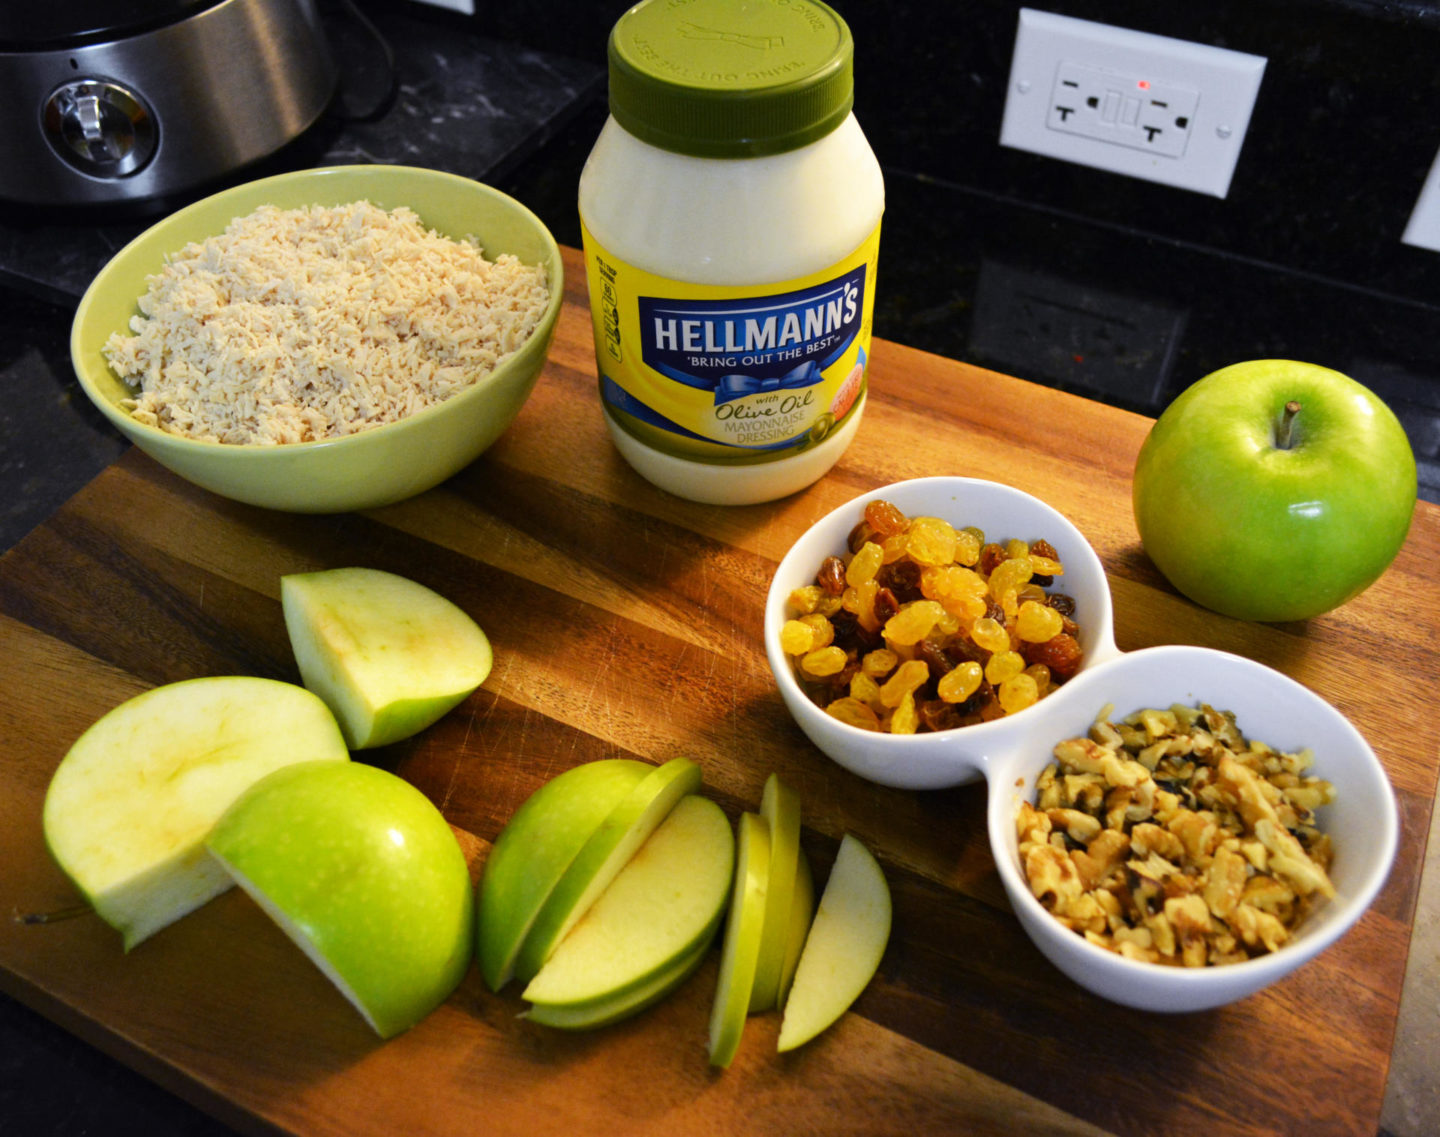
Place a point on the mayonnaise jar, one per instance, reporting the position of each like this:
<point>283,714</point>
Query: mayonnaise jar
<point>730,213</point>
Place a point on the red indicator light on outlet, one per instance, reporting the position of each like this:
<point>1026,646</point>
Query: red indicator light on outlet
<point>1143,84</point>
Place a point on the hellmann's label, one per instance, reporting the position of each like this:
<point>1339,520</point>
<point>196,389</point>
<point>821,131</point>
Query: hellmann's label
<point>727,374</point>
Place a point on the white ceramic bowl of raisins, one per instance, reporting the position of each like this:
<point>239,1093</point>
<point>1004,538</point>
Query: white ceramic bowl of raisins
<point>1010,752</point>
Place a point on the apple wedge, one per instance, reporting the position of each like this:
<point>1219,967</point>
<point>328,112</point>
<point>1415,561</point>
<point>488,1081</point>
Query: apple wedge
<point>802,912</point>
<point>601,858</point>
<point>535,848</point>
<point>780,807</point>
<point>364,874</point>
<point>844,947</point>
<point>388,655</point>
<point>740,951</point>
<point>613,1008</point>
<point>662,907</point>
<point>129,807</point>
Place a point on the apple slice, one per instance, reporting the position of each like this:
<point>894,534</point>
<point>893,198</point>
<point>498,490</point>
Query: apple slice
<point>364,874</point>
<point>802,911</point>
<point>843,950</point>
<point>663,905</point>
<point>130,805</point>
<point>603,855</point>
<point>740,952</point>
<point>780,807</point>
<point>534,850</point>
<point>388,655</point>
<point>613,1008</point>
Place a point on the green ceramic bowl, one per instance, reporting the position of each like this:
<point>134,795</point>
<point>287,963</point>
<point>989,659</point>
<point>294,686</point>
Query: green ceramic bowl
<point>359,471</point>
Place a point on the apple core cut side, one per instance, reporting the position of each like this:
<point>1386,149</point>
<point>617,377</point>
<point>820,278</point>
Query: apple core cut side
<point>780,807</point>
<point>389,655</point>
<point>535,848</point>
<point>603,855</point>
<point>843,950</point>
<point>740,950</point>
<point>668,900</point>
<point>130,805</point>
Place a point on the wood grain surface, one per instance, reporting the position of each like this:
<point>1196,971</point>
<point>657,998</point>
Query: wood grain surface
<point>627,623</point>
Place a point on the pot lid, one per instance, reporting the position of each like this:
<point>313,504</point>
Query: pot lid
<point>75,23</point>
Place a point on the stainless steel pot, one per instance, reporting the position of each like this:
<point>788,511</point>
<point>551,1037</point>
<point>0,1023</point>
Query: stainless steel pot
<point>129,100</point>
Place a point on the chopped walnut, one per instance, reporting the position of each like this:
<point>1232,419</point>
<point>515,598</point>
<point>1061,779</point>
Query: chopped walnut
<point>1169,837</point>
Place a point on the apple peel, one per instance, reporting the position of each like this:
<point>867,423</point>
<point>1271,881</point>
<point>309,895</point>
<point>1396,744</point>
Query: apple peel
<point>364,874</point>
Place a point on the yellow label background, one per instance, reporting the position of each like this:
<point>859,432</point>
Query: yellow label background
<point>615,288</point>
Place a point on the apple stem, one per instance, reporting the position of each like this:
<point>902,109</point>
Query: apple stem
<point>1286,426</point>
<point>70,913</point>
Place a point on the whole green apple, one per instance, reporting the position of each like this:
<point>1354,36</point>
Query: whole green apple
<point>1274,490</point>
<point>364,874</point>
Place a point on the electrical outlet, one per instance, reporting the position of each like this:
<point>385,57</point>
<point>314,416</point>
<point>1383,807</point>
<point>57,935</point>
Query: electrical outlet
<point>1423,231</point>
<point>1147,106</point>
<point>1046,327</point>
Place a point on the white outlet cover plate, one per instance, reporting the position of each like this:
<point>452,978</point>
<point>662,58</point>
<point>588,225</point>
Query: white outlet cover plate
<point>1143,105</point>
<point>1423,230</point>
<point>464,7</point>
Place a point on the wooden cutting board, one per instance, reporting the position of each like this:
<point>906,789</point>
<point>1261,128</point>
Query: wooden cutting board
<point>627,622</point>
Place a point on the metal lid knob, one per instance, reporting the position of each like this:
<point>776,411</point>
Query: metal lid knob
<point>100,128</point>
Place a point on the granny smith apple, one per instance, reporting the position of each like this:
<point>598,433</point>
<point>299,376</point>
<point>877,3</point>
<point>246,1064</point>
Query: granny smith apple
<point>1274,490</point>
<point>607,850</point>
<point>535,848</point>
<point>780,807</point>
<point>387,654</point>
<point>622,1005</point>
<point>740,951</point>
<point>365,875</point>
<point>130,805</point>
<point>843,950</point>
<point>802,912</point>
<point>665,903</point>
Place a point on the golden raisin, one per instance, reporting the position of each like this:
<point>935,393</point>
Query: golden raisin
<point>885,518</point>
<point>1036,623</point>
<point>824,661</point>
<point>797,637</point>
<point>913,622</point>
<point>854,712</point>
<point>908,677</point>
<point>959,684</point>
<point>864,565</point>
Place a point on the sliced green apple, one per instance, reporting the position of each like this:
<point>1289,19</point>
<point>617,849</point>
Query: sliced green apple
<point>613,1008</point>
<point>740,952</point>
<point>802,911</point>
<point>364,874</point>
<point>535,848</point>
<point>780,807</point>
<point>844,947</point>
<point>602,856</point>
<point>388,655</point>
<point>130,805</point>
<point>663,905</point>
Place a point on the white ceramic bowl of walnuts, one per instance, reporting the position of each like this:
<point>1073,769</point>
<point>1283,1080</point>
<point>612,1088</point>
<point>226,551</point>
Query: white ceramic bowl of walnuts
<point>1011,753</point>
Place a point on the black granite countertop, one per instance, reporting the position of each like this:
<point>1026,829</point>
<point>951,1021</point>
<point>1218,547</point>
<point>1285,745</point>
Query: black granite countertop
<point>1110,310</point>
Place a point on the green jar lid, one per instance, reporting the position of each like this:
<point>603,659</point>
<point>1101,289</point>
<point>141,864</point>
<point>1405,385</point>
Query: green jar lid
<point>731,78</point>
